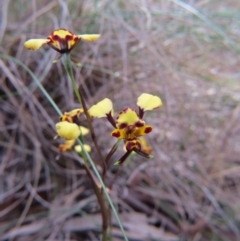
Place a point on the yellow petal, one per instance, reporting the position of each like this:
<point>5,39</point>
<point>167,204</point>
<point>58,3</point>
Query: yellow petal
<point>101,109</point>
<point>142,131</point>
<point>145,147</point>
<point>119,133</point>
<point>72,115</point>
<point>84,130</point>
<point>35,44</point>
<point>75,112</point>
<point>62,33</point>
<point>128,117</point>
<point>89,37</point>
<point>78,148</point>
<point>148,102</point>
<point>68,131</point>
<point>67,146</point>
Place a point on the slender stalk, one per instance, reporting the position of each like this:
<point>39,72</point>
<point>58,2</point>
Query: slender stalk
<point>102,203</point>
<point>105,191</point>
<point>68,66</point>
<point>99,194</point>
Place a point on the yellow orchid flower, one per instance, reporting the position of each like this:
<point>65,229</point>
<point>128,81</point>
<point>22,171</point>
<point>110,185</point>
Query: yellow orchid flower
<point>70,132</point>
<point>130,129</point>
<point>129,125</point>
<point>61,40</point>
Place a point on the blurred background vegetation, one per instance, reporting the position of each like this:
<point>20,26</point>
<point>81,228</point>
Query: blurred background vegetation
<point>186,52</point>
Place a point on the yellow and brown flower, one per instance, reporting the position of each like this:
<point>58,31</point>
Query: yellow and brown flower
<point>129,125</point>
<point>129,128</point>
<point>61,40</point>
<point>70,131</point>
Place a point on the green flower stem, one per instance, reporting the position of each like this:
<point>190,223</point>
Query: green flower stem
<point>68,66</point>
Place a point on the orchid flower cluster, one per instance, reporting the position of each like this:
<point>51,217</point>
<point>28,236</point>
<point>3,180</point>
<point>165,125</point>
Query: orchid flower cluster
<point>129,125</point>
<point>69,130</point>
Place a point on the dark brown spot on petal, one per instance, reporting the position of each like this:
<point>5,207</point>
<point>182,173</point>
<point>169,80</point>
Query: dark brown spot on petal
<point>148,129</point>
<point>116,134</point>
<point>76,38</point>
<point>140,123</point>
<point>69,38</point>
<point>122,125</point>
